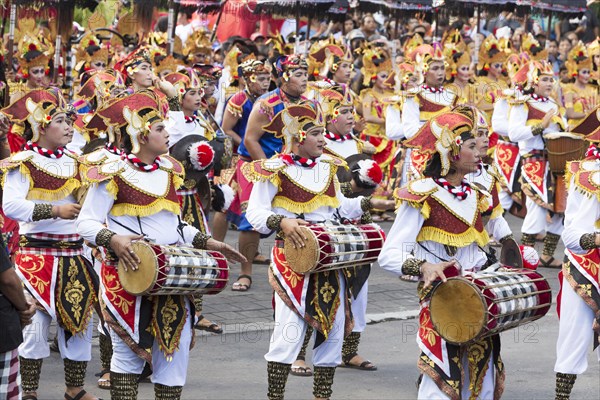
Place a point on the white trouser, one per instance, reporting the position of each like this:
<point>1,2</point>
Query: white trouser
<point>428,390</point>
<point>289,331</point>
<point>165,372</point>
<point>505,200</point>
<point>35,340</point>
<point>535,221</point>
<point>359,309</point>
<point>575,333</point>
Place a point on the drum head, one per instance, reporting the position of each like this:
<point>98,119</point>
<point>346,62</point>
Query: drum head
<point>457,311</point>
<point>305,259</point>
<point>141,280</point>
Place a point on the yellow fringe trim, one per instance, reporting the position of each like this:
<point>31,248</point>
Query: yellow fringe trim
<point>497,212</point>
<point>46,194</point>
<point>177,181</point>
<point>308,206</point>
<point>423,207</point>
<point>450,239</point>
<point>597,224</point>
<point>234,109</point>
<point>54,195</point>
<point>112,188</point>
<point>136,210</point>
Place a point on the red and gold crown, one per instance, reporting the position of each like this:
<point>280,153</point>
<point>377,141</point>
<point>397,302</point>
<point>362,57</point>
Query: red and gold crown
<point>293,122</point>
<point>326,56</point>
<point>443,134</point>
<point>127,112</point>
<point>100,85</point>
<point>578,59</point>
<point>38,108</point>
<point>529,74</point>
<point>285,65</point>
<point>250,67</point>
<point>128,65</point>
<point>514,62</point>
<point>184,80</point>
<point>333,98</point>
<point>594,48</point>
<point>208,72</point>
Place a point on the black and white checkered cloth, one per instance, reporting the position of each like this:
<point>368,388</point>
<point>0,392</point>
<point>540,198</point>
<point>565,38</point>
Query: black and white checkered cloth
<point>191,269</point>
<point>348,241</point>
<point>10,378</point>
<point>516,298</point>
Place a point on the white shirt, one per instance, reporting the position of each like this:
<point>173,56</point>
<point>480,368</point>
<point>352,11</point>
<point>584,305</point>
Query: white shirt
<point>519,132</point>
<point>582,213</point>
<point>263,192</point>
<point>16,206</point>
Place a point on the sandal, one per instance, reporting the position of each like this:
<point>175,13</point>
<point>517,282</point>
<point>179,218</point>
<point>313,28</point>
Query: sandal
<point>212,327</point>
<point>29,397</point>
<point>104,383</point>
<point>79,395</point>
<point>297,370</point>
<point>242,287</point>
<point>364,366</point>
<point>548,263</point>
<point>260,259</point>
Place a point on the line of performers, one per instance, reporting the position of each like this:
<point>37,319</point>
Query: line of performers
<point>87,181</point>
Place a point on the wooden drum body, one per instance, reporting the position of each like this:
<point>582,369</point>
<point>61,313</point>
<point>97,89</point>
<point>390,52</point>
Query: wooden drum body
<point>562,148</point>
<point>333,246</point>
<point>174,270</point>
<point>470,308</point>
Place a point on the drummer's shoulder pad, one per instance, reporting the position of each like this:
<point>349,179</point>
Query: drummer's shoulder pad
<point>15,160</point>
<point>262,170</point>
<point>416,192</point>
<point>103,172</point>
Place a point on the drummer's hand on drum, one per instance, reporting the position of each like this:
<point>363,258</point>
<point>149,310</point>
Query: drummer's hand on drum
<point>66,211</point>
<point>548,118</point>
<point>229,252</point>
<point>121,245</point>
<point>433,272</point>
<point>290,228</point>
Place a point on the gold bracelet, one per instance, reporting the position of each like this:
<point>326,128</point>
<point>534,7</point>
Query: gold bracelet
<point>200,240</point>
<point>42,211</point>
<point>412,266</point>
<point>103,237</point>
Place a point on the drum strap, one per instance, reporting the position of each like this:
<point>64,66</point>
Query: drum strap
<point>141,232</point>
<point>432,253</point>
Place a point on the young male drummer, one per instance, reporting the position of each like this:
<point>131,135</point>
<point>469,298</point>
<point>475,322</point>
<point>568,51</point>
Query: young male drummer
<point>318,299</point>
<point>137,198</point>
<point>580,300</point>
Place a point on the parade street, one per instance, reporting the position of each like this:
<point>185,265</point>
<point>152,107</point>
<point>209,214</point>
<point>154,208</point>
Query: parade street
<point>231,365</point>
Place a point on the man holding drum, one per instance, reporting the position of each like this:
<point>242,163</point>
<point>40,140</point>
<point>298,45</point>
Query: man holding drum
<point>531,116</point>
<point>439,225</point>
<point>580,299</point>
<point>38,184</point>
<point>292,190</point>
<point>136,197</point>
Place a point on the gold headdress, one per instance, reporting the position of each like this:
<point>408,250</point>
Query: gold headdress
<point>578,59</point>
<point>531,46</point>
<point>455,59</point>
<point>375,60</point>
<point>492,51</point>
<point>90,50</point>
<point>33,52</point>
<point>198,43</point>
